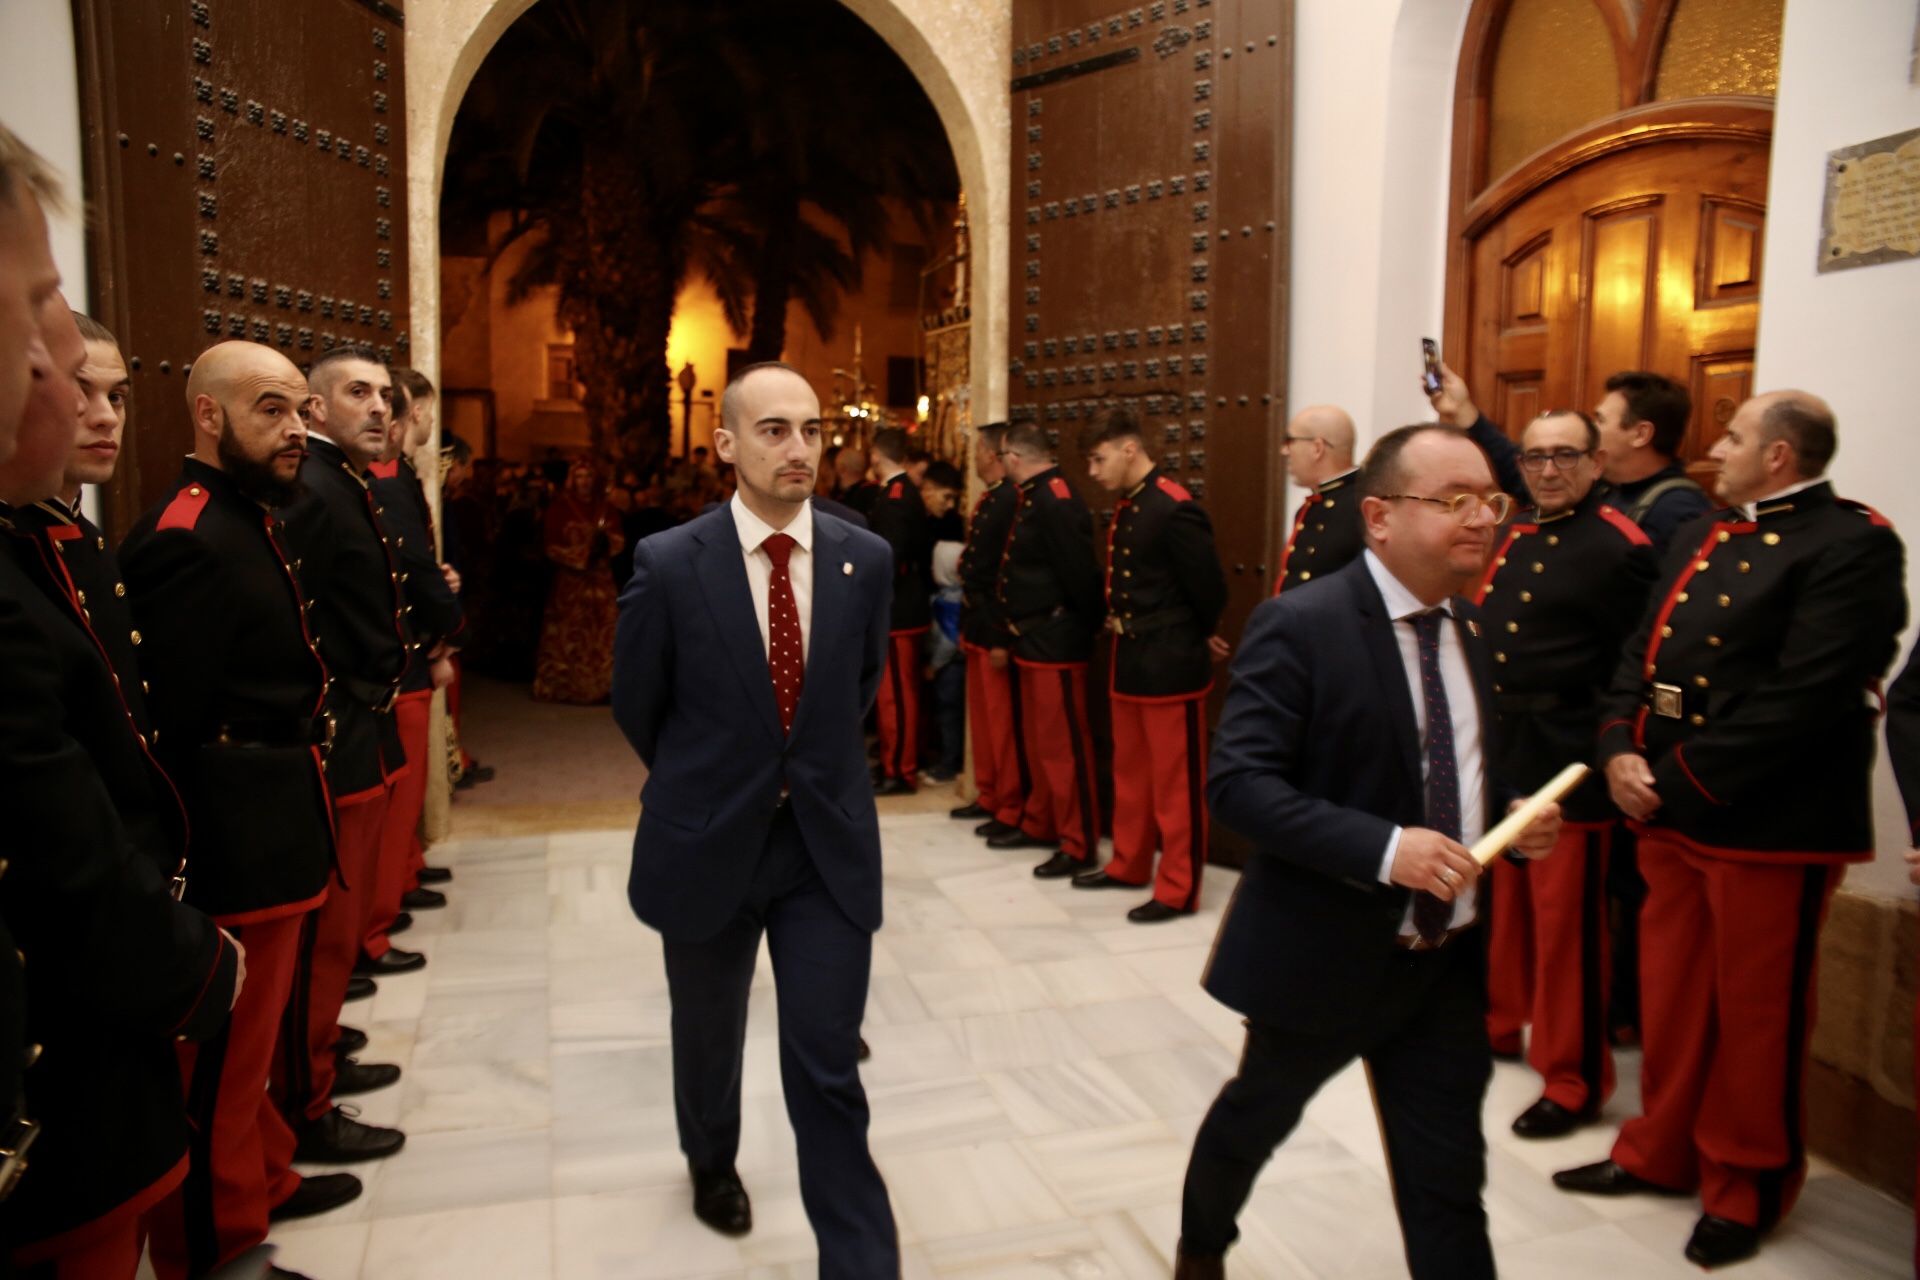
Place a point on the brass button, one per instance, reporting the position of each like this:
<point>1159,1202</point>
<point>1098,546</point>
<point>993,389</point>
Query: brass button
<point>80,595</point>
<point>100,544</point>
<point>1700,566</point>
<point>119,588</point>
<point>194,490</point>
<point>1319,528</point>
<point>1681,598</point>
<point>1553,539</point>
<point>1501,561</point>
<point>1713,642</point>
<point>1512,627</point>
<point>1696,719</point>
<point>1725,536</point>
<point>1701,681</point>
<point>1725,601</point>
<point>1666,633</point>
<point>1526,597</point>
<point>1771,539</point>
<point>1499,657</point>
<point>33,1054</point>
<point>1745,567</point>
<point>1305,574</point>
<point>1331,504</point>
<point>145,687</point>
<point>134,636</point>
<point>1538,567</point>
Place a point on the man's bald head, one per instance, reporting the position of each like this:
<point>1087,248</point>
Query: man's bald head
<point>245,401</point>
<point>231,373</point>
<point>1805,422</point>
<point>1319,444</point>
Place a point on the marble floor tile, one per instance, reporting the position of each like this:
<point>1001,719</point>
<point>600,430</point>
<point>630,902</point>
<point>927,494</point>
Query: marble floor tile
<point>464,1096</point>
<point>1088,980</point>
<point>645,1234</point>
<point>458,1244</point>
<point>965,1191</point>
<point>1116,1027</point>
<point>944,952</point>
<point>1097,1170</point>
<point>444,1171</point>
<point>461,1025</point>
<point>997,1041</point>
<point>937,1113</point>
<point>1057,1097</point>
<point>970,993</point>
<point>321,1247</point>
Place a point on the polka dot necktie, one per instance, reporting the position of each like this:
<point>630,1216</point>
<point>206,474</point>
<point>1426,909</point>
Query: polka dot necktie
<point>783,631</point>
<point>1431,916</point>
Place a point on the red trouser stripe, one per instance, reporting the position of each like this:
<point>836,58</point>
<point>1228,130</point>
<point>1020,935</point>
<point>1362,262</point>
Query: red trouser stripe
<point>1728,958</point>
<point>898,707</point>
<point>1064,800</point>
<point>400,833</point>
<point>1159,797</point>
<point>241,1145</point>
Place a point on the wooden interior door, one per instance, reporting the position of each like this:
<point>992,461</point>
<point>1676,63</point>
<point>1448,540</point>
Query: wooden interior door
<point>1645,259</point>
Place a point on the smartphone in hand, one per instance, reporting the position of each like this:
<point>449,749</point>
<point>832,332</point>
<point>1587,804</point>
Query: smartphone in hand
<point>1430,356</point>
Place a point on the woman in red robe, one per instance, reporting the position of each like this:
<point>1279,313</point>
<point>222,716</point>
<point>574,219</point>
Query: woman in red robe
<point>575,662</point>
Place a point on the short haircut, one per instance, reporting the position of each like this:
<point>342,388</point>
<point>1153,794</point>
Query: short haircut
<point>891,444</point>
<point>22,169</point>
<point>730,396</point>
<point>456,448</point>
<point>1029,437</point>
<point>1807,426</point>
<point>320,374</point>
<point>991,434</point>
<point>415,383</point>
<point>919,453</point>
<point>1111,425</point>
<point>92,330</point>
<point>1383,472</point>
<point>1586,420</point>
<point>400,404</point>
<point>942,474</point>
<point>1655,398</point>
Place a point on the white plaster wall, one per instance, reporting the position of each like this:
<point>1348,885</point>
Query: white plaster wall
<point>1849,336</point>
<point>40,101</point>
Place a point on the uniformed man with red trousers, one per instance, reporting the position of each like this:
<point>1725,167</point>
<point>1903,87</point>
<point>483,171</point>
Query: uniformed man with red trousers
<point>116,969</point>
<point>350,572</point>
<point>1048,592</point>
<point>899,516</point>
<point>1326,531</point>
<point>239,707</point>
<point>993,695</point>
<point>1165,592</point>
<point>1565,590</point>
<point>1738,738</point>
<point>1903,751</point>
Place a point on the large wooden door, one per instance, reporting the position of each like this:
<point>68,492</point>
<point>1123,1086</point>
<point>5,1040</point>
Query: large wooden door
<point>1648,258</point>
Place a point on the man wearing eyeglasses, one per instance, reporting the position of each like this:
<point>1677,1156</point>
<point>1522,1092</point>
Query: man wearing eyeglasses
<point>1561,596</point>
<point>1353,752</point>
<point>1326,529</point>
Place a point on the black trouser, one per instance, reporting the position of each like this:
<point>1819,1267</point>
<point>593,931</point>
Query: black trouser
<point>820,964</point>
<point>1425,1046</point>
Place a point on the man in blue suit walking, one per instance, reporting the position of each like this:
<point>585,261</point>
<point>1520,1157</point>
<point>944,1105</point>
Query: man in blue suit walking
<point>750,645</point>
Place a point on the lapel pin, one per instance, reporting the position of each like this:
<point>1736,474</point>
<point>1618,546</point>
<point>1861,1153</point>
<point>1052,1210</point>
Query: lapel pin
<point>846,567</point>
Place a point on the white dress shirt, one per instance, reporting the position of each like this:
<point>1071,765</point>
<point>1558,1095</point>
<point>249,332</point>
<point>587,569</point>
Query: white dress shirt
<point>1463,708</point>
<point>753,531</point>
<point>1749,508</point>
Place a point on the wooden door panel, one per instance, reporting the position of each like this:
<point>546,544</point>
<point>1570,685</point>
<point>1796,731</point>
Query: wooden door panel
<point>1718,384</point>
<point>1620,256</point>
<point>1732,235</point>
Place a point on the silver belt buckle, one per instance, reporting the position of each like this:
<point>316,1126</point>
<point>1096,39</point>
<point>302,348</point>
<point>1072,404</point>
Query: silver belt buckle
<point>1667,701</point>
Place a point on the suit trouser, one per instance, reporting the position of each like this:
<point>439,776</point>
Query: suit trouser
<point>1160,795</point>
<point>1424,1041</point>
<point>821,962</point>
<point>1064,801</point>
<point>1727,971</point>
<point>1547,964</point>
<point>400,835</point>
<point>241,1147</point>
<point>329,944</point>
<point>999,754</point>
<point>897,708</point>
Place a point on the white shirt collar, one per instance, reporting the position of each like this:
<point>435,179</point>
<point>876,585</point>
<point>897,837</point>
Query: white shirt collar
<point>1776,495</point>
<point>1330,481</point>
<point>1401,603</point>
<point>753,530</point>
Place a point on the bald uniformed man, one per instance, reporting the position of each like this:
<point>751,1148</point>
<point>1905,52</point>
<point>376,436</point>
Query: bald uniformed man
<point>1319,447</point>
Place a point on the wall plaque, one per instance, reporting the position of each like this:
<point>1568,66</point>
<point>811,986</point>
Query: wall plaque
<point>1872,209</point>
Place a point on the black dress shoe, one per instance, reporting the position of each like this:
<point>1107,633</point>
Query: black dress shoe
<point>401,923</point>
<point>337,1138</point>
<point>434,875</point>
<point>1153,911</point>
<point>865,1051</point>
<point>1186,1267</point>
<point>1018,839</point>
<point>974,810</point>
<point>1548,1119</point>
<point>721,1202</point>
<point>1605,1178</point>
<point>894,787</point>
<point>993,828</point>
<point>360,987</point>
<point>351,1077</point>
<point>1099,879</point>
<point>281,1273</point>
<point>1501,1053</point>
<point>423,899</point>
<point>349,1040</point>
<point>317,1193</point>
<point>394,961</point>
<point>1059,865</point>
<point>1719,1241</point>
<point>474,777</point>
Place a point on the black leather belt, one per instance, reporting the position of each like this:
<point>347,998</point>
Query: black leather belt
<point>296,731</point>
<point>1020,626</point>
<point>1536,703</point>
<point>1677,702</point>
<point>1146,623</point>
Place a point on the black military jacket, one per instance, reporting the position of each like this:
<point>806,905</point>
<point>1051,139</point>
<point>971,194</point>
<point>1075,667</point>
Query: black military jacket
<point>980,620</point>
<point>238,696</point>
<point>862,497</point>
<point>1903,740</point>
<point>351,575</point>
<point>433,611</point>
<point>1326,533</point>
<point>94,573</point>
<point>1165,592</point>
<point>1559,600</point>
<point>900,516</point>
<point>114,967</point>
<point>1048,588</point>
<point>1749,684</point>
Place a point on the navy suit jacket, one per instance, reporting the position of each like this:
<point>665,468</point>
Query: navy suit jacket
<point>691,691</point>
<point>1316,760</point>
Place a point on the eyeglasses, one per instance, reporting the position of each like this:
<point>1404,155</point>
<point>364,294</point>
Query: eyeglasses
<point>1297,439</point>
<point>1463,506</point>
<point>1562,459</point>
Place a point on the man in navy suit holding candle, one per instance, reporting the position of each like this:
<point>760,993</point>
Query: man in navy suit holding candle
<point>750,646</point>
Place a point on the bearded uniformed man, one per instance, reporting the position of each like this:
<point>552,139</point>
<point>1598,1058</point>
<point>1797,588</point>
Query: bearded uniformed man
<point>1564,591</point>
<point>116,967</point>
<point>350,573</point>
<point>899,515</point>
<point>1165,592</point>
<point>993,695</point>
<point>1048,591</point>
<point>1749,687</point>
<point>1326,529</point>
<point>239,703</point>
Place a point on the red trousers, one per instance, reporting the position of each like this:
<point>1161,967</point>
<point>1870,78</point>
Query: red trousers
<point>1547,964</point>
<point>329,944</point>
<point>898,707</point>
<point>111,1252</point>
<point>1160,796</point>
<point>400,836</point>
<point>1063,802</point>
<point>999,756</point>
<point>1727,968</point>
<point>242,1146</point>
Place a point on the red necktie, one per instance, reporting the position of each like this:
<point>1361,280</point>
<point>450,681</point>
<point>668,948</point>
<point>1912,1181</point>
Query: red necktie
<point>784,658</point>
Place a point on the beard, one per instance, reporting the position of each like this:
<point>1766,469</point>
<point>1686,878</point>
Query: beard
<point>254,478</point>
